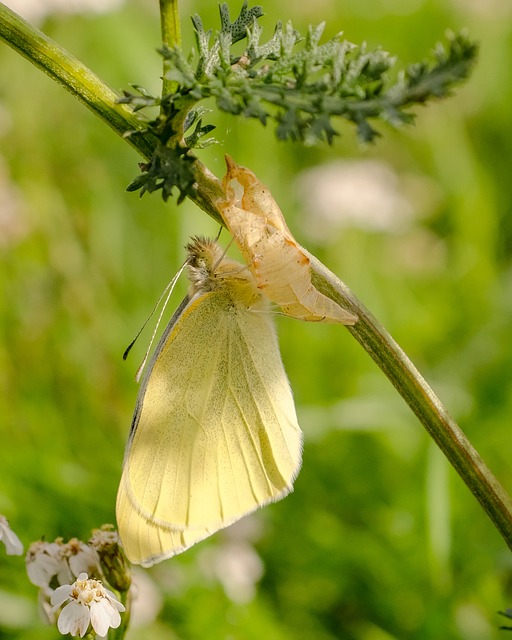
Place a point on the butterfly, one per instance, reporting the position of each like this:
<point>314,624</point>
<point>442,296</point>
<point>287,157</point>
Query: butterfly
<point>215,433</point>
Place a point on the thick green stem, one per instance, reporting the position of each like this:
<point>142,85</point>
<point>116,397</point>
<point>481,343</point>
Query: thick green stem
<point>72,74</point>
<point>207,191</point>
<point>422,400</point>
<point>61,66</point>
<point>171,36</point>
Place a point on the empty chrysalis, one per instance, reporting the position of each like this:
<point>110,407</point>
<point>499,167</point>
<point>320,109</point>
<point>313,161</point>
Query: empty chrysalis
<point>281,267</point>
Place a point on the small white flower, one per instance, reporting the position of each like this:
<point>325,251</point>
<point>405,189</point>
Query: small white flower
<point>81,558</point>
<point>13,546</point>
<point>88,603</point>
<point>45,561</point>
<point>104,537</point>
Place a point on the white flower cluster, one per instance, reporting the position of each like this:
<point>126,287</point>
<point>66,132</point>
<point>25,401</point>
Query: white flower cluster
<point>61,572</point>
<point>60,562</point>
<point>13,546</point>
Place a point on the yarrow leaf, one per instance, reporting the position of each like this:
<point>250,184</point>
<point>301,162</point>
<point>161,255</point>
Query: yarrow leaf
<point>297,82</point>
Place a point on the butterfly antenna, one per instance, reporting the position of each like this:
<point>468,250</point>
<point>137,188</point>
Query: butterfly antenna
<point>167,294</point>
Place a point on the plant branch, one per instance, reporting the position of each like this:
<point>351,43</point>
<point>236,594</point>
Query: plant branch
<point>72,74</point>
<point>80,81</point>
<point>171,37</point>
<point>404,376</point>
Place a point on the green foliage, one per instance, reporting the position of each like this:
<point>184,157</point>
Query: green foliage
<point>303,89</point>
<point>292,80</point>
<point>171,164</point>
<point>168,168</point>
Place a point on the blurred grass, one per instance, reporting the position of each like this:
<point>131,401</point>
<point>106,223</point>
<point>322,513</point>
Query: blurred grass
<point>380,539</point>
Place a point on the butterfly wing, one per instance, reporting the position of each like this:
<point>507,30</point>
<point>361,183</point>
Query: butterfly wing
<point>214,435</point>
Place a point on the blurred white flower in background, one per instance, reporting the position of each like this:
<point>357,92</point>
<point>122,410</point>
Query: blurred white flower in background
<point>87,603</point>
<point>37,10</point>
<point>370,196</point>
<point>365,194</point>
<point>491,9</point>
<point>146,599</point>
<point>13,545</point>
<point>238,568</point>
<point>235,563</point>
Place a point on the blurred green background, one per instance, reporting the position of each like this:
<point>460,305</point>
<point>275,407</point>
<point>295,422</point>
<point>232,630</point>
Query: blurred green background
<point>380,540</point>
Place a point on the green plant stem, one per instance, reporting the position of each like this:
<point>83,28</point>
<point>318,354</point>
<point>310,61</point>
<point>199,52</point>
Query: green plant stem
<point>171,36</point>
<point>206,193</point>
<point>424,403</point>
<point>120,632</point>
<point>72,74</point>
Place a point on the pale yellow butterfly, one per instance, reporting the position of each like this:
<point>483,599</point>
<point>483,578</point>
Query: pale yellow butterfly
<point>215,433</point>
<point>281,267</point>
